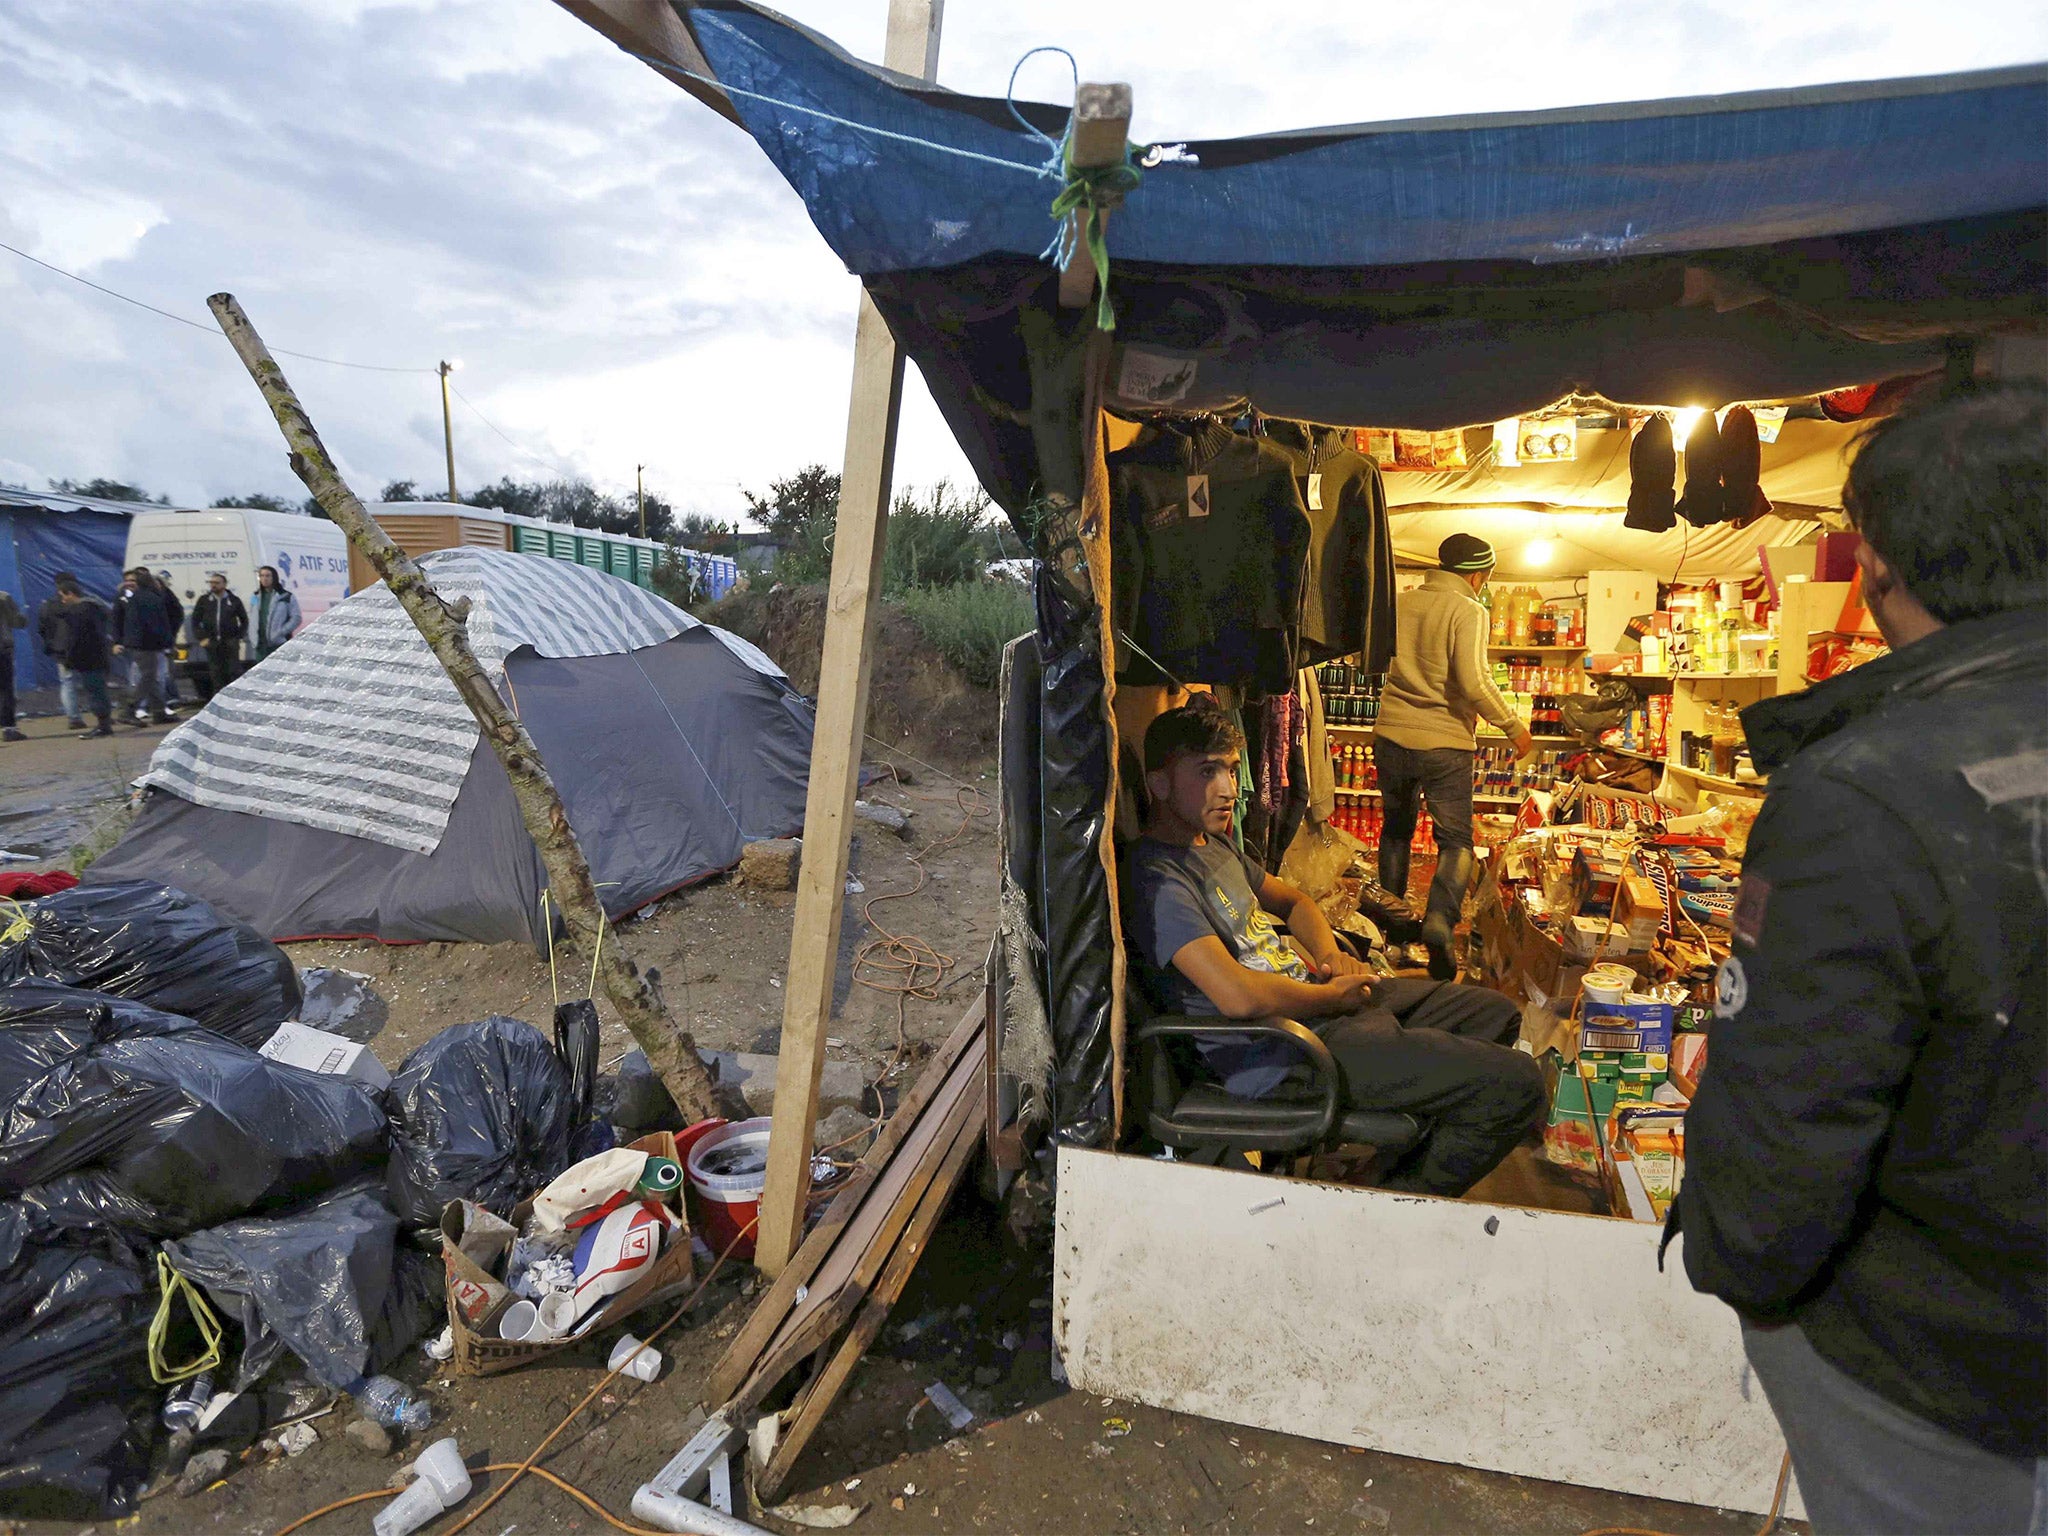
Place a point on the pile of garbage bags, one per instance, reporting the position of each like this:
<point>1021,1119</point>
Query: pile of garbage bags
<point>138,1118</point>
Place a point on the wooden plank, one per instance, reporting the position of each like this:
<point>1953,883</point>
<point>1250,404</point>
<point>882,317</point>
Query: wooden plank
<point>852,602</point>
<point>651,29</point>
<point>738,1360</point>
<point>847,1273</point>
<point>824,1390</point>
<point>1102,127</point>
<point>1541,1343</point>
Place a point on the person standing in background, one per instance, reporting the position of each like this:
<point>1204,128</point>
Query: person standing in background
<point>276,617</point>
<point>50,630</point>
<point>86,652</point>
<point>149,622</point>
<point>1866,1161</point>
<point>1439,685</point>
<point>169,588</point>
<point>11,619</point>
<point>219,621</point>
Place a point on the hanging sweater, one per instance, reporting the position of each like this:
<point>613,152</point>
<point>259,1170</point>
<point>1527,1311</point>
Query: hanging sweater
<point>1209,551</point>
<point>1439,683</point>
<point>1348,604</point>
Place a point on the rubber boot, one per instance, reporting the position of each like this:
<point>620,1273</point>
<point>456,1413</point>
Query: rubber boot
<point>1446,906</point>
<point>1394,867</point>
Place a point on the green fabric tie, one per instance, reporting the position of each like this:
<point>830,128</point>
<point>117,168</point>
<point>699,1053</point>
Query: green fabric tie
<point>1097,188</point>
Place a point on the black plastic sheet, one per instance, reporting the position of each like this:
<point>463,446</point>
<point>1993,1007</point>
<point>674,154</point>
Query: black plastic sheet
<point>76,1407</point>
<point>332,1282</point>
<point>167,1133</point>
<point>1073,887</point>
<point>484,1112</point>
<point>161,947</point>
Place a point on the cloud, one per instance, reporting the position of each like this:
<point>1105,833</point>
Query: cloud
<point>624,276</point>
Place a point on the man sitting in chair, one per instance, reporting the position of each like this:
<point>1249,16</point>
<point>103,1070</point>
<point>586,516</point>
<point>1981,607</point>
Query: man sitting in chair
<point>1201,920</point>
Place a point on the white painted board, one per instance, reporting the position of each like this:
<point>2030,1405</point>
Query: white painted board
<point>1533,1342</point>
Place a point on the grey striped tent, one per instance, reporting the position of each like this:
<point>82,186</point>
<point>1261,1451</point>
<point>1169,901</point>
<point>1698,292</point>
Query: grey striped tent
<point>342,787</point>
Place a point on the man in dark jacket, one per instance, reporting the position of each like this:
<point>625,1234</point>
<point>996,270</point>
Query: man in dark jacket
<point>1867,1160</point>
<point>85,651</point>
<point>11,619</point>
<point>149,621</point>
<point>219,621</point>
<point>51,631</point>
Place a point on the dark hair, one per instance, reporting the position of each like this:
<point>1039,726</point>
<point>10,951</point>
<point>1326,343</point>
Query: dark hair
<point>66,584</point>
<point>1198,727</point>
<point>275,579</point>
<point>1953,492</point>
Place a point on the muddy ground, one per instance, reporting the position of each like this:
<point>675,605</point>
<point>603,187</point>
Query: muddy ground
<point>1041,1457</point>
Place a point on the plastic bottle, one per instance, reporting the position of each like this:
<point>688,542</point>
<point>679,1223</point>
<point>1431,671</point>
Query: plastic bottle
<point>390,1404</point>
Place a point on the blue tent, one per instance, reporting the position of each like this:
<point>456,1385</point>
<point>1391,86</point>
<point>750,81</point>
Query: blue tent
<point>42,533</point>
<point>1427,273</point>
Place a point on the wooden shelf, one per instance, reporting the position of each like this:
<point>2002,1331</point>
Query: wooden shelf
<point>1711,677</point>
<point>1713,780</point>
<point>1373,794</point>
<point>1535,650</point>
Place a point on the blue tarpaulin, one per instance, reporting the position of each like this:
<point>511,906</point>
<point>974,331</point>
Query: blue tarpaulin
<point>1573,185</point>
<point>1421,274</point>
<point>41,535</point>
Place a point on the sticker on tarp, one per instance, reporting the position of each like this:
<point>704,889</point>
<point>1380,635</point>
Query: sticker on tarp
<point>1731,989</point>
<point>1750,904</point>
<point>1154,378</point>
<point>2022,776</point>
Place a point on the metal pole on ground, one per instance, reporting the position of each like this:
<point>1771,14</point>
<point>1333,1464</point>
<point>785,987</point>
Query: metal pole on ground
<point>851,606</point>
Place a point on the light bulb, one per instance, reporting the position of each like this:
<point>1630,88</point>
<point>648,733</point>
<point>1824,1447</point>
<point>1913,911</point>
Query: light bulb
<point>1538,552</point>
<point>1684,421</point>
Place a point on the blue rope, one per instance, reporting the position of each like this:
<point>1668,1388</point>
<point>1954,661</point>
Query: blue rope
<point>1050,169</point>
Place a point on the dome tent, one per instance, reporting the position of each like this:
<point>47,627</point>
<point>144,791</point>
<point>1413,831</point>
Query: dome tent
<point>342,788</point>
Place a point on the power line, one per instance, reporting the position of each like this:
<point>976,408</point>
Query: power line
<point>201,325</point>
<point>508,442</point>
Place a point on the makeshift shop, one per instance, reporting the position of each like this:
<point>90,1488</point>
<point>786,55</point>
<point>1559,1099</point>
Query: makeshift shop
<point>1198,423</point>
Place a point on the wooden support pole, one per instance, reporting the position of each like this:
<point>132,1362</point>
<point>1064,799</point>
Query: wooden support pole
<point>1102,127</point>
<point>445,628</point>
<point>851,606</point>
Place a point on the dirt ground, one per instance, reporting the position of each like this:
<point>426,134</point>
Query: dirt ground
<point>1041,1457</point>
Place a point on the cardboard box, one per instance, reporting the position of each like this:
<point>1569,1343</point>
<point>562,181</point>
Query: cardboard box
<point>1625,1027</point>
<point>1638,910</point>
<point>315,1050</point>
<point>480,1352</point>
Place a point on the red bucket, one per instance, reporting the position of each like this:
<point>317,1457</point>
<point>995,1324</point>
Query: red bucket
<point>728,1167</point>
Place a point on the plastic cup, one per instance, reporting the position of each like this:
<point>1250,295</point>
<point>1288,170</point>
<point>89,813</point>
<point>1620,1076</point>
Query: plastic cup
<point>557,1315</point>
<point>442,1483</point>
<point>441,1464</point>
<point>644,1366</point>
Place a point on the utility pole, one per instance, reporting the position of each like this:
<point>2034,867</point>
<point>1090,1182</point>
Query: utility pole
<point>640,496</point>
<point>447,427</point>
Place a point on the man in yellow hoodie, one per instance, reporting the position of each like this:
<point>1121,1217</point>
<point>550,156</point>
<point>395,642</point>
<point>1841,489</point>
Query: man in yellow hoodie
<point>1439,685</point>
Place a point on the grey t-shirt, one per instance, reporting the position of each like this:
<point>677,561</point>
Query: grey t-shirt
<point>1180,894</point>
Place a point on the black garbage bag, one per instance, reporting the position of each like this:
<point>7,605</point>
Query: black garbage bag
<point>161,947</point>
<point>482,1112</point>
<point>44,1022</point>
<point>167,1134</point>
<point>333,1282</point>
<point>77,1411</point>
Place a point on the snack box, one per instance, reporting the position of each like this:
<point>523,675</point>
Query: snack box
<point>1636,1025</point>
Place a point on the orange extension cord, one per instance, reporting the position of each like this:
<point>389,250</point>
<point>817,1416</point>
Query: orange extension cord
<point>521,1468</point>
<point>1770,1521</point>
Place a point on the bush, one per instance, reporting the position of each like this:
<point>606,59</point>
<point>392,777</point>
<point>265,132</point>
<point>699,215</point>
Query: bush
<point>970,622</point>
<point>937,540</point>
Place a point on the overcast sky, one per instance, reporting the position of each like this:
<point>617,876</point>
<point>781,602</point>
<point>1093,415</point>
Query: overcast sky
<point>622,274</point>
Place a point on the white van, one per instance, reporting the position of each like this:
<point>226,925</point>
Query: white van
<point>310,553</point>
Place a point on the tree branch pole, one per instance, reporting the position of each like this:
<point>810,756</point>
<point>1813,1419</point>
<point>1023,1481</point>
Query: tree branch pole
<point>445,627</point>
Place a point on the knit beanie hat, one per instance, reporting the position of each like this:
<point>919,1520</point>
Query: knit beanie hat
<point>1465,553</point>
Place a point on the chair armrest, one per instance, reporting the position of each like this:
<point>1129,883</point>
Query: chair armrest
<point>1321,1064</point>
